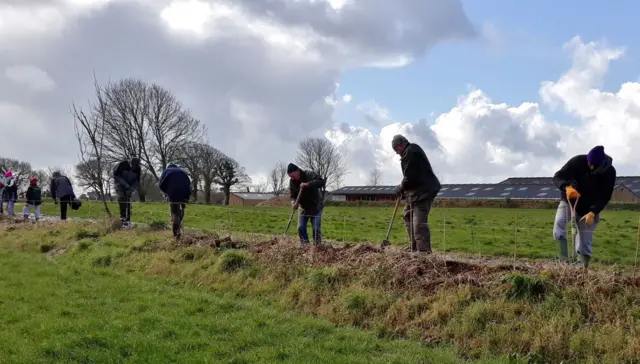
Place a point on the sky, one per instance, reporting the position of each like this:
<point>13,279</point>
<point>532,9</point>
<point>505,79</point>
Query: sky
<point>489,89</point>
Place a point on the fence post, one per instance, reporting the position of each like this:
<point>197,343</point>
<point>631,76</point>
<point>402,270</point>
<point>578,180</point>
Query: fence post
<point>444,232</point>
<point>515,242</point>
<point>230,217</point>
<point>635,264</point>
<point>344,229</point>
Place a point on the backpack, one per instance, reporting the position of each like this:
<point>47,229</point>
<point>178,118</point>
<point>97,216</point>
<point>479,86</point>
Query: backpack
<point>76,204</point>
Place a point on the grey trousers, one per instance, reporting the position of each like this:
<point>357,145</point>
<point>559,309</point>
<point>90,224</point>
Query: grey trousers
<point>418,227</point>
<point>584,237</point>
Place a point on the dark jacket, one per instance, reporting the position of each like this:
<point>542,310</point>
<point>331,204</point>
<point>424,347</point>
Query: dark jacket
<point>61,187</point>
<point>33,195</point>
<point>418,182</point>
<point>175,183</point>
<point>311,199</point>
<point>10,192</point>
<point>126,178</point>
<point>595,187</point>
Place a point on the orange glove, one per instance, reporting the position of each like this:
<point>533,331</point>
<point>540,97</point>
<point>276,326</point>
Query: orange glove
<point>589,218</point>
<point>572,193</point>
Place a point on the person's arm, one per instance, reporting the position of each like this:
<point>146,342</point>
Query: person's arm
<point>604,196</point>
<point>163,181</point>
<point>293,193</point>
<point>52,188</point>
<point>564,177</point>
<point>315,181</point>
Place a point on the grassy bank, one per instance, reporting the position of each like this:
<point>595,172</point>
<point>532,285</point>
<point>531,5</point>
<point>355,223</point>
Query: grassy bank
<point>534,315</point>
<point>67,311</point>
<point>528,233</point>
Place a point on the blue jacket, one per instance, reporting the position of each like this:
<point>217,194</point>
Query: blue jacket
<point>175,183</point>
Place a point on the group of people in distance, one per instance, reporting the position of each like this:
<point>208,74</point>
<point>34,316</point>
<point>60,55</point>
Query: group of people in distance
<point>586,183</point>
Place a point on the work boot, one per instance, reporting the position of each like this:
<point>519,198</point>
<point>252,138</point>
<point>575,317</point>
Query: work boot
<point>584,259</point>
<point>563,249</point>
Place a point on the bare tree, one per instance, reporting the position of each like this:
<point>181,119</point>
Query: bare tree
<point>375,177</point>
<point>262,186</point>
<point>190,157</point>
<point>278,179</point>
<point>229,173</point>
<point>322,157</point>
<point>90,132</point>
<point>211,160</point>
<point>148,122</point>
<point>19,169</point>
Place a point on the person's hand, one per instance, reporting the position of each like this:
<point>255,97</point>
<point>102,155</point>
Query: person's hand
<point>572,193</point>
<point>589,218</point>
<point>399,190</point>
<point>295,206</point>
<point>304,185</point>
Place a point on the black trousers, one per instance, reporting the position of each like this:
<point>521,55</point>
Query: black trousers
<point>124,201</point>
<point>65,201</point>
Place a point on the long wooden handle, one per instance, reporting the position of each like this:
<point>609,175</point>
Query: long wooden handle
<point>395,211</point>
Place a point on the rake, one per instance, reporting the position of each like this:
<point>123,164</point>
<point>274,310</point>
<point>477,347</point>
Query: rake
<point>293,212</point>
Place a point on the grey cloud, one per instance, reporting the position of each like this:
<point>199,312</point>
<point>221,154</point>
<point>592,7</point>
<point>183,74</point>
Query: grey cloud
<point>256,102</point>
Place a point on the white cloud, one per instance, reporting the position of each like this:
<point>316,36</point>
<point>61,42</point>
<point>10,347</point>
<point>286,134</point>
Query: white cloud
<point>31,77</point>
<point>264,74</point>
<point>482,141</point>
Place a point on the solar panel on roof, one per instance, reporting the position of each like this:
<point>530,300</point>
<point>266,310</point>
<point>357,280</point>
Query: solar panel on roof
<point>444,188</point>
<point>471,193</point>
<point>522,188</point>
<point>488,188</point>
<point>544,189</point>
<point>542,194</point>
<point>505,194</point>
<point>475,188</point>
<point>456,189</point>
<point>508,188</point>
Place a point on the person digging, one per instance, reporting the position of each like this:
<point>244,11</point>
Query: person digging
<point>419,186</point>
<point>586,183</point>
<point>175,183</point>
<point>308,183</point>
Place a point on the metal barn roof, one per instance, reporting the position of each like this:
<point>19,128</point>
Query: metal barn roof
<point>482,191</point>
<point>254,195</point>
<point>630,182</point>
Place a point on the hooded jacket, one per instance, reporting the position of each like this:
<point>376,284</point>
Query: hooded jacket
<point>61,187</point>
<point>34,195</point>
<point>126,178</point>
<point>175,183</point>
<point>595,187</point>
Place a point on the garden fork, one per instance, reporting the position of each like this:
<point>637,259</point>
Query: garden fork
<point>574,226</point>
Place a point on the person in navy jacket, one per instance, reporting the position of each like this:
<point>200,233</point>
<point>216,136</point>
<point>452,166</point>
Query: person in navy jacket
<point>175,184</point>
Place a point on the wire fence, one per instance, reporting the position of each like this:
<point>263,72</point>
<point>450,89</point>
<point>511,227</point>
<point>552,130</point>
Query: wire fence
<point>515,234</point>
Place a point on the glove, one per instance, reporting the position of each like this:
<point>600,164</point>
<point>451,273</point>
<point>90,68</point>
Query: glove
<point>572,193</point>
<point>295,206</point>
<point>399,190</point>
<point>589,218</point>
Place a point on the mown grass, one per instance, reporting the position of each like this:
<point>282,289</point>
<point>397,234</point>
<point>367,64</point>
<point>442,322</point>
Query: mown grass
<point>228,304</point>
<point>68,311</point>
<point>525,233</point>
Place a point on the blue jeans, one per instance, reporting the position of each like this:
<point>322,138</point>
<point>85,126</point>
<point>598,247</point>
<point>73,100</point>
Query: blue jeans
<point>315,227</point>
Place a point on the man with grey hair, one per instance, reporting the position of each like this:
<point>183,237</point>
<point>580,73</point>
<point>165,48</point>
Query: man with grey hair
<point>419,187</point>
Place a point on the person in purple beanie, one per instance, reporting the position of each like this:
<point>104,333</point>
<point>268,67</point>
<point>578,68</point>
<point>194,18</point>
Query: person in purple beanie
<point>590,179</point>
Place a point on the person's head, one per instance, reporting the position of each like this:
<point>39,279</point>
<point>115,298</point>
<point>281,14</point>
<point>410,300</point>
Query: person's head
<point>399,143</point>
<point>56,174</point>
<point>135,162</point>
<point>9,174</point>
<point>595,157</point>
<point>172,165</point>
<point>293,171</point>
<point>33,181</point>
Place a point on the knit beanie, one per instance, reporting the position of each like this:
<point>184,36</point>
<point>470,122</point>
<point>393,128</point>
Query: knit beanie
<point>292,168</point>
<point>596,155</point>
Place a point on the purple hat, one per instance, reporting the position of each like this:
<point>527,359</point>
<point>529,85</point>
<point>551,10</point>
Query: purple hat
<point>596,155</point>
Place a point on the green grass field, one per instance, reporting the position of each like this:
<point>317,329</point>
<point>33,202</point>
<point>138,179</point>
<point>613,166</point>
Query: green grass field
<point>82,308</point>
<point>527,233</point>
<point>92,293</point>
